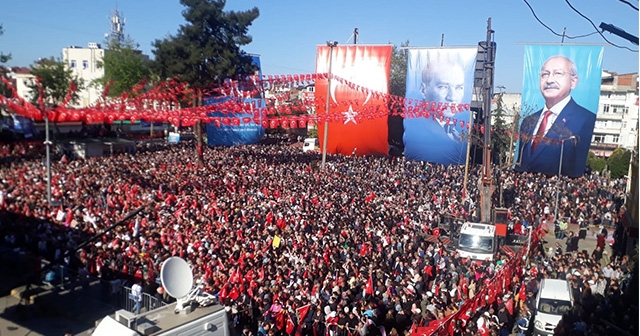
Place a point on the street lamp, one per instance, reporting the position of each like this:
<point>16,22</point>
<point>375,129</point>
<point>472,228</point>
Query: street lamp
<point>555,214</point>
<point>47,143</point>
<point>331,45</point>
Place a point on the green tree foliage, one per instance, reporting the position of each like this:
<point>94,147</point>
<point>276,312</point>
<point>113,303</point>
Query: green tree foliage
<point>398,79</point>
<point>124,66</point>
<point>397,87</point>
<point>499,138</point>
<point>4,58</point>
<point>56,79</point>
<point>596,163</point>
<point>207,48</point>
<point>618,162</point>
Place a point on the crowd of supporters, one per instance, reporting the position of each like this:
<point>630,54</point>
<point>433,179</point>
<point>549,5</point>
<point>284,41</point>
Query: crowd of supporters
<point>292,248</point>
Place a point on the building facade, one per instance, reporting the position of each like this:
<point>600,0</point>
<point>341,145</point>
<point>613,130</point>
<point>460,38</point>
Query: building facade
<point>85,64</point>
<point>617,118</point>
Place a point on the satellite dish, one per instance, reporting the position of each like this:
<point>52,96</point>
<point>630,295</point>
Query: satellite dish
<point>176,277</point>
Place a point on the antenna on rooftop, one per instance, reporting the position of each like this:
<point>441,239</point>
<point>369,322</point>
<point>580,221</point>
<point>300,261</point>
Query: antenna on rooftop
<point>116,23</point>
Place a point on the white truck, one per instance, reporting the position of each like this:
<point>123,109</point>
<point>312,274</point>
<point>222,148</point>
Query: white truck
<point>477,241</point>
<point>310,144</point>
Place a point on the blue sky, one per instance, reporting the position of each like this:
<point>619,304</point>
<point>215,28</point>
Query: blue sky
<point>287,32</point>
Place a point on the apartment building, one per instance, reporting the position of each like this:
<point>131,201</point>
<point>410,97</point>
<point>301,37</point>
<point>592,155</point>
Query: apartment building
<point>83,63</point>
<point>617,118</point>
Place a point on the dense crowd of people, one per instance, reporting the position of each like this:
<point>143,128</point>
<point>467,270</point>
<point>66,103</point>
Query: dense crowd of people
<point>292,248</point>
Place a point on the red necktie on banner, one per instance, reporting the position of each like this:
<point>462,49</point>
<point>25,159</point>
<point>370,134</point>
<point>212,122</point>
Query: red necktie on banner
<point>540,132</point>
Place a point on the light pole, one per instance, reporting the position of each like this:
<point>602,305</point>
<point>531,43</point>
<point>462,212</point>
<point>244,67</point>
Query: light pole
<point>47,144</point>
<point>331,45</point>
<point>555,214</point>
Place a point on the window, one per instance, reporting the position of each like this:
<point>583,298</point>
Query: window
<point>616,138</point>
<point>85,64</point>
<point>73,64</point>
<point>598,138</point>
<point>624,124</point>
<point>615,124</point>
<point>619,109</point>
<point>605,108</point>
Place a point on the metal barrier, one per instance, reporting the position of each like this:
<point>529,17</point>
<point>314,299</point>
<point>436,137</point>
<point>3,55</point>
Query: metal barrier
<point>111,293</point>
<point>148,302</point>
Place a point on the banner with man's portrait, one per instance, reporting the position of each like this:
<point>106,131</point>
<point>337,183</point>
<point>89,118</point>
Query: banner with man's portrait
<point>560,94</point>
<point>437,107</point>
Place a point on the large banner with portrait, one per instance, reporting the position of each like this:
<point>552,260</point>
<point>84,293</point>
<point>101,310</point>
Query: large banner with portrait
<point>229,129</point>
<point>438,100</point>
<point>357,116</point>
<point>560,95</point>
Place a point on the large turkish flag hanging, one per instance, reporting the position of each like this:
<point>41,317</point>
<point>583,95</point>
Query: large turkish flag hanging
<point>357,116</point>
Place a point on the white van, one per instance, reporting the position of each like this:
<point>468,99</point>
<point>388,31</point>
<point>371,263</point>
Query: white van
<point>554,299</point>
<point>477,241</point>
<point>309,144</point>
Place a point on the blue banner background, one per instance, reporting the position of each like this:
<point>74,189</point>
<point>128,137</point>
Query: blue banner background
<point>243,134</point>
<point>425,138</point>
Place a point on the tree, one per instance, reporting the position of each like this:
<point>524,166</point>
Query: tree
<point>206,49</point>
<point>618,162</point>
<point>124,66</point>
<point>499,138</point>
<point>56,79</point>
<point>397,87</point>
<point>4,58</point>
<point>398,79</point>
<point>595,163</point>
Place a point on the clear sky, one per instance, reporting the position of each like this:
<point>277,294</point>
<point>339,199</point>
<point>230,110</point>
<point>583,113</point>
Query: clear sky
<point>287,32</point>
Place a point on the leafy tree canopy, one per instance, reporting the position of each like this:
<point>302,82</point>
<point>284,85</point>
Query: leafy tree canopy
<point>596,163</point>
<point>398,77</point>
<point>56,78</point>
<point>206,48</point>
<point>124,66</point>
<point>4,58</point>
<point>619,162</point>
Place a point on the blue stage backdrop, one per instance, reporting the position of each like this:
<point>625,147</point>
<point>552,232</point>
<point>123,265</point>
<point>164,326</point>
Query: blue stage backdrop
<point>237,129</point>
<point>562,83</point>
<point>439,90</point>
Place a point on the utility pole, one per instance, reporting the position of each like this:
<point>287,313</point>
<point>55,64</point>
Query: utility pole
<point>485,183</point>
<point>331,45</point>
<point>355,35</point>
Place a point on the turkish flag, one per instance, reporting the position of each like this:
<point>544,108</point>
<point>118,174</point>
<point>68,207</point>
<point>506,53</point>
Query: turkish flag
<point>509,305</point>
<point>369,288</point>
<point>290,325</point>
<point>223,293</point>
<point>280,323</point>
<point>234,294</point>
<point>302,313</point>
<point>358,66</point>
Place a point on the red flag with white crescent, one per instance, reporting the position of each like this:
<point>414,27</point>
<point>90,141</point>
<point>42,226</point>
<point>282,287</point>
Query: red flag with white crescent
<point>359,73</point>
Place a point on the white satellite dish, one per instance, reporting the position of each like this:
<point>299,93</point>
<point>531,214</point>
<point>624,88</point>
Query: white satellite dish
<point>177,280</point>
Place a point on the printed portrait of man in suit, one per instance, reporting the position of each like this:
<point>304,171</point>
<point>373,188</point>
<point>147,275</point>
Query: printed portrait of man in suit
<point>562,129</point>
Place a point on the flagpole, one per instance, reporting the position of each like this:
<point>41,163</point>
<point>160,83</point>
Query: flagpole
<point>331,45</point>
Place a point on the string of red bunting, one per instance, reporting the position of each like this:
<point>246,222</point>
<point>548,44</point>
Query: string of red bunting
<point>166,103</point>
